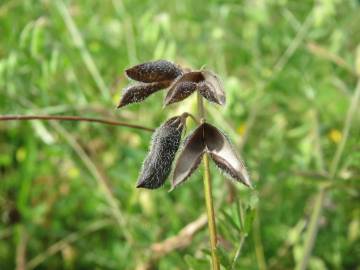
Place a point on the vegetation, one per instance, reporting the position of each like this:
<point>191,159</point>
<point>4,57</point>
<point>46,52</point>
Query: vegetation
<point>68,196</point>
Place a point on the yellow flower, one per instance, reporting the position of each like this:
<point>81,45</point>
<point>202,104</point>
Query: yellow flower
<point>73,172</point>
<point>241,129</point>
<point>335,135</point>
<point>21,154</point>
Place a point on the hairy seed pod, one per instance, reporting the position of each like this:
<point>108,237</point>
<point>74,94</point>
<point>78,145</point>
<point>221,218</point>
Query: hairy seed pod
<point>211,88</point>
<point>208,139</point>
<point>190,157</point>
<point>139,92</point>
<point>206,82</point>
<point>180,91</point>
<point>155,71</point>
<point>223,154</point>
<point>164,145</point>
<point>183,87</point>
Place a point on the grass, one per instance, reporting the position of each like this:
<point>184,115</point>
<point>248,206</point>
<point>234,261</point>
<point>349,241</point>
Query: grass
<point>67,194</point>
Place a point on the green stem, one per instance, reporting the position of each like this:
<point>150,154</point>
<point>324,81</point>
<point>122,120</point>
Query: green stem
<point>313,229</point>
<point>259,249</point>
<point>210,213</point>
<point>208,197</point>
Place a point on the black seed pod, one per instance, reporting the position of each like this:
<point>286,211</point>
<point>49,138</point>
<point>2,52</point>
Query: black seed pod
<point>190,157</point>
<point>155,71</point>
<point>165,143</point>
<point>183,87</point>
<point>181,91</point>
<point>211,88</point>
<point>223,154</point>
<point>139,92</point>
<point>207,138</point>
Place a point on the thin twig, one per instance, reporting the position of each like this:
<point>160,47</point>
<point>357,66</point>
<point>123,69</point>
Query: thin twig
<point>71,118</point>
<point>238,251</point>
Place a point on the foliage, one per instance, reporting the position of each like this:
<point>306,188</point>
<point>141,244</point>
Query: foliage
<point>289,69</point>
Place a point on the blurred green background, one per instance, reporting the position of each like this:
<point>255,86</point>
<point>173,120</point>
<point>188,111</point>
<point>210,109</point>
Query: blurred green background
<point>67,189</point>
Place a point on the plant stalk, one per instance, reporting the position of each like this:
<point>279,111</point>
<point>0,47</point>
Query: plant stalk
<point>71,118</point>
<point>208,196</point>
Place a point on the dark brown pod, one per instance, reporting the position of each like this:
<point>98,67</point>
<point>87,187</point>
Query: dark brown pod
<point>211,88</point>
<point>139,92</point>
<point>155,71</point>
<point>183,87</point>
<point>179,92</point>
<point>164,145</point>
<point>224,155</point>
<point>209,139</point>
<point>190,157</point>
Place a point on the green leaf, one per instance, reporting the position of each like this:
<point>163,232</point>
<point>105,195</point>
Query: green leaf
<point>195,263</point>
<point>231,220</point>
<point>249,218</point>
<point>224,257</point>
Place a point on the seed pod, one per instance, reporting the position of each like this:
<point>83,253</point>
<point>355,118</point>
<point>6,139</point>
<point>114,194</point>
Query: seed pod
<point>206,82</point>
<point>164,145</point>
<point>211,88</point>
<point>180,91</point>
<point>155,71</point>
<point>190,157</point>
<point>209,139</point>
<point>139,92</point>
<point>183,87</point>
<point>224,155</point>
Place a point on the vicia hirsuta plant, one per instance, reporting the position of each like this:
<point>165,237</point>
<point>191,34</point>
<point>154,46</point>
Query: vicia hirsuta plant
<point>205,141</point>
